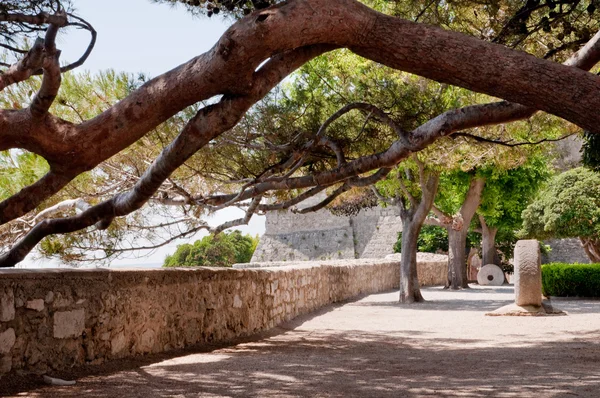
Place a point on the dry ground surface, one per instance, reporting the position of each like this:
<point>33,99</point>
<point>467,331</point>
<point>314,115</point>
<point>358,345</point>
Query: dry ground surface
<point>373,347</point>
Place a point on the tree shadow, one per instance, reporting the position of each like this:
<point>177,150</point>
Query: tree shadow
<point>358,364</point>
<point>291,361</point>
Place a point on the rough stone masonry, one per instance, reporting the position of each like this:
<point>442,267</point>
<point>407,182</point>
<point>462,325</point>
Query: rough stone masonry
<point>321,235</point>
<point>56,319</point>
<point>372,233</point>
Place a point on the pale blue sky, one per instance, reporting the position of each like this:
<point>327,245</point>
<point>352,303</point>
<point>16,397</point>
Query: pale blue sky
<point>140,36</point>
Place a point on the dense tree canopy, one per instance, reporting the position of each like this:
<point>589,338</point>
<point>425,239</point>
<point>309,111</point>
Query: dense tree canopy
<point>569,207</point>
<point>251,58</point>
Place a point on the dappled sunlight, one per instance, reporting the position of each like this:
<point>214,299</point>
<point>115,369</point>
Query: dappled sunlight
<point>191,359</point>
<point>376,347</point>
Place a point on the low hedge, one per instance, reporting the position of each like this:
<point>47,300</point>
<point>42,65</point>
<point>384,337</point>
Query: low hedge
<point>571,280</point>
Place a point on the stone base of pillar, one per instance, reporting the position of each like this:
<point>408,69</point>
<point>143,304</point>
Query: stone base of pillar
<point>546,309</point>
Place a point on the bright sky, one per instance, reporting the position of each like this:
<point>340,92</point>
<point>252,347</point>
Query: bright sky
<point>139,36</point>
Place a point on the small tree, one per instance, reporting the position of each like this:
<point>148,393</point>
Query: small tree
<point>506,195</point>
<point>220,250</point>
<point>568,207</point>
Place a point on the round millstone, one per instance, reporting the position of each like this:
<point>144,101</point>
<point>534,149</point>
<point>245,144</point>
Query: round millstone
<point>491,275</point>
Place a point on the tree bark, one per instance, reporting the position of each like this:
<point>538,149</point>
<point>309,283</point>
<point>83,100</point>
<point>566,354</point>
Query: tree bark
<point>592,249</point>
<point>457,269</point>
<point>457,236</point>
<point>412,221</point>
<point>488,243</point>
<point>410,290</point>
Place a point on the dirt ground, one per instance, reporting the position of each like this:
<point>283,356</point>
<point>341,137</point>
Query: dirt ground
<point>373,347</point>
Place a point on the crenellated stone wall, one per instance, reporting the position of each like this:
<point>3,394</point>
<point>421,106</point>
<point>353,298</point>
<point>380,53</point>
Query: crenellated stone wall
<point>55,319</point>
<point>321,235</point>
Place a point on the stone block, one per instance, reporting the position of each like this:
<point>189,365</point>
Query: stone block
<point>118,343</point>
<point>49,297</point>
<point>237,301</point>
<point>69,323</point>
<point>7,340</point>
<point>7,305</point>
<point>37,305</point>
<point>147,341</point>
<point>528,273</point>
<point>5,364</point>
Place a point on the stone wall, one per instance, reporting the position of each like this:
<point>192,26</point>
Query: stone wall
<point>565,251</point>
<point>323,236</point>
<point>55,319</point>
<point>432,268</point>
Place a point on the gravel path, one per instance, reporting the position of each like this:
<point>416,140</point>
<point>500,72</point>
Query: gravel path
<point>375,347</point>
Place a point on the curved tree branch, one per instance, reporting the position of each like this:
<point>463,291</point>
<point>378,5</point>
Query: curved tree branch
<point>230,69</point>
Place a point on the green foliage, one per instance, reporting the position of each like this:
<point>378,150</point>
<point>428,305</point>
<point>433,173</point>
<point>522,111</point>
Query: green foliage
<point>591,151</point>
<point>222,250</point>
<point>571,280</point>
<point>434,239</point>
<point>19,169</point>
<point>508,192</point>
<point>568,207</point>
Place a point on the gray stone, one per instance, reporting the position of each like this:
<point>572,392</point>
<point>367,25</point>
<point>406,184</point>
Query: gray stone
<point>323,236</point>
<point>491,275</point>
<point>568,250</point>
<point>7,340</point>
<point>69,323</point>
<point>528,273</point>
<point>37,305</point>
<point>7,305</point>
<point>49,297</point>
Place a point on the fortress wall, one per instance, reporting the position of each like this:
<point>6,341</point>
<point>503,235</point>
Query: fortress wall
<point>324,236</point>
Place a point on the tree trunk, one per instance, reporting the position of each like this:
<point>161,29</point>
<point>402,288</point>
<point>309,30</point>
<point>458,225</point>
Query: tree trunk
<point>410,291</point>
<point>488,244</point>
<point>457,236</point>
<point>457,273</point>
<point>592,249</point>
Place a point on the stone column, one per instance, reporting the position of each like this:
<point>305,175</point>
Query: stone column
<point>528,273</point>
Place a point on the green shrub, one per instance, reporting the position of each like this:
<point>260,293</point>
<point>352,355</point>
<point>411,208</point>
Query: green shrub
<point>434,239</point>
<point>571,280</point>
<point>222,250</point>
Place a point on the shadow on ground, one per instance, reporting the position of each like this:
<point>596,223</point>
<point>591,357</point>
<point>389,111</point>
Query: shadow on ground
<point>357,364</point>
<point>297,362</point>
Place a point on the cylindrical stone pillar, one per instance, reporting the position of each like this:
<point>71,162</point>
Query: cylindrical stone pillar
<point>528,273</point>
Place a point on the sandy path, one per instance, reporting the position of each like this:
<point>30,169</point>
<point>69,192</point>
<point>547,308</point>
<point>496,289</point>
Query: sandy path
<point>375,347</point>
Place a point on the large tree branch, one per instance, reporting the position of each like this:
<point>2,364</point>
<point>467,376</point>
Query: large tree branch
<point>472,200</point>
<point>240,221</point>
<point>51,76</point>
<point>510,143</point>
<point>208,123</point>
<point>228,69</point>
<point>41,18</point>
<point>353,182</point>
<point>429,187</point>
<point>292,202</point>
<point>24,68</point>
